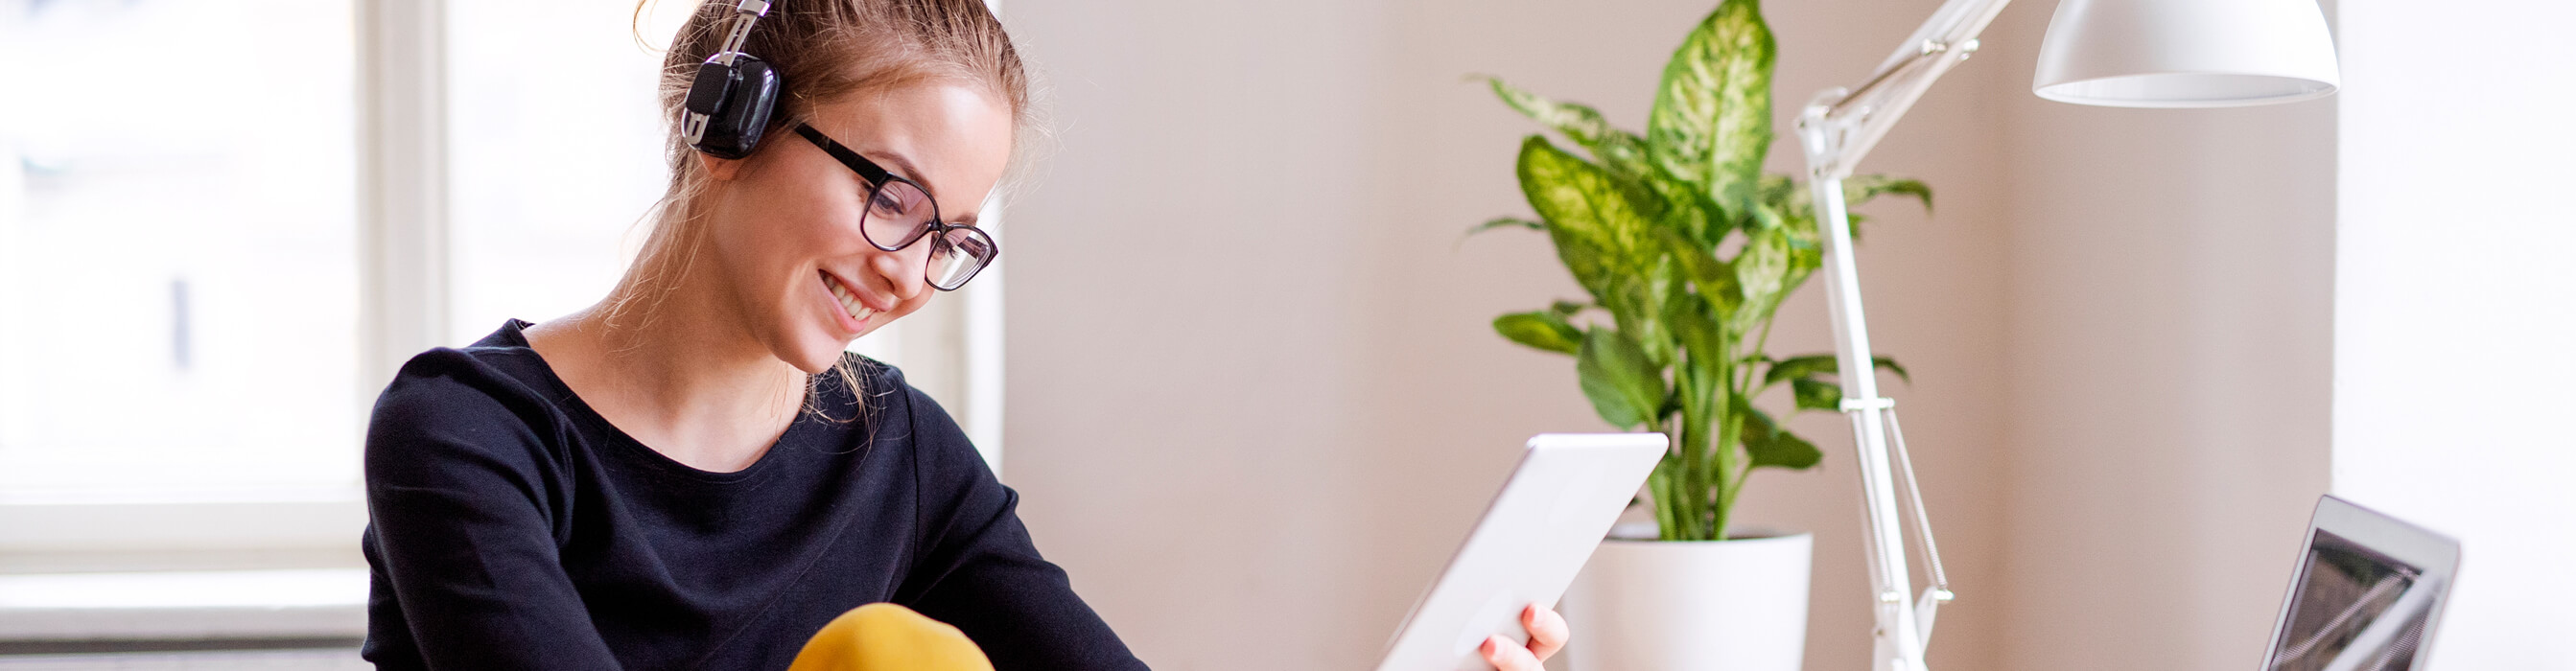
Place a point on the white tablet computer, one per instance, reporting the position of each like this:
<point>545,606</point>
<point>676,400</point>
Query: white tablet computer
<point>2367,594</point>
<point>1557,506</point>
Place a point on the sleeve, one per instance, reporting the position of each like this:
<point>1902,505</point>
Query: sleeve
<point>463,502</point>
<point>978,569</point>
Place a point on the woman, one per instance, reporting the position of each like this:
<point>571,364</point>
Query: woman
<point>692,474</point>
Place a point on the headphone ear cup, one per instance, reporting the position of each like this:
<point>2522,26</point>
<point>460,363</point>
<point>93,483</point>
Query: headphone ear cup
<point>737,101</point>
<point>755,99</point>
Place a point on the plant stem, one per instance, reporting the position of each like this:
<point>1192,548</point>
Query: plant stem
<point>1678,430</point>
<point>1738,487</point>
<point>1729,435</point>
<point>1759,342</point>
<point>1660,485</point>
<point>1728,474</point>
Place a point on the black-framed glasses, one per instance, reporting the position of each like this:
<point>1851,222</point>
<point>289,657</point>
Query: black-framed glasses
<point>899,212</point>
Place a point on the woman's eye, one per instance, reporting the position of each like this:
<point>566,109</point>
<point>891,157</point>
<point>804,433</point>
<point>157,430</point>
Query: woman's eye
<point>884,202</point>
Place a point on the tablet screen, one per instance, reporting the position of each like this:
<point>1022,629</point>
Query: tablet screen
<point>2354,609</point>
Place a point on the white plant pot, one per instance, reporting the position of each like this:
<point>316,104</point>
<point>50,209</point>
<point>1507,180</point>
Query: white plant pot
<point>1731,605</point>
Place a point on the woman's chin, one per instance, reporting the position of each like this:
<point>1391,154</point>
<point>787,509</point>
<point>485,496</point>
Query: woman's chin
<point>814,353</point>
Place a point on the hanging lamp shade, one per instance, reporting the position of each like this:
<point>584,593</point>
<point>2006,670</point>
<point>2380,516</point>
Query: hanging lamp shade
<point>2186,53</point>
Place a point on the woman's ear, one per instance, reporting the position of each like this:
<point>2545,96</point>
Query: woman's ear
<point>722,169</point>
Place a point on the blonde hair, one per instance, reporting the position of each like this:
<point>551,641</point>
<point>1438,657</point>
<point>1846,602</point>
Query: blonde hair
<point>823,50</point>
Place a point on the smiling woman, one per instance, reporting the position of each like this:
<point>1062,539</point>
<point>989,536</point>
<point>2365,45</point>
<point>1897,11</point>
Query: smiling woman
<point>692,473</point>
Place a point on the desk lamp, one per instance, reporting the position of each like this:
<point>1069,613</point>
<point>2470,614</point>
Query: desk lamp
<point>2122,53</point>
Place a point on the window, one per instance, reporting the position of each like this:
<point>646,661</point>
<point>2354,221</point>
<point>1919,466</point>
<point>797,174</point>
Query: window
<point>550,172</point>
<point>224,221</point>
<point>178,302</point>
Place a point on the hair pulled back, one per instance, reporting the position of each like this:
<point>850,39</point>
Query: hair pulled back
<point>823,50</point>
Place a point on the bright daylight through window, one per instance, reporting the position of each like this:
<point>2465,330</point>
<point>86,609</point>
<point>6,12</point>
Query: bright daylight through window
<point>550,175</point>
<point>178,282</point>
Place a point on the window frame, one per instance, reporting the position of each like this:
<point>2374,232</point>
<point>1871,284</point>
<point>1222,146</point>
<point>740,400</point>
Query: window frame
<point>404,308</point>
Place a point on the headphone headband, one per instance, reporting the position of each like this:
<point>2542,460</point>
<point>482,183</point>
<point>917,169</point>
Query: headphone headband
<point>746,13</point>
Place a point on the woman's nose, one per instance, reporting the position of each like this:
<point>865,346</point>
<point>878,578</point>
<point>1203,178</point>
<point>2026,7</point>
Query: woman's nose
<point>903,270</point>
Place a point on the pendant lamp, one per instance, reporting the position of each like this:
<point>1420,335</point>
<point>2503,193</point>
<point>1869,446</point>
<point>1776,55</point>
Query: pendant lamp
<point>2186,53</point>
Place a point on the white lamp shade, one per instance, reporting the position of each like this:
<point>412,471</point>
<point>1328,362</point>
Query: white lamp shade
<point>2186,53</point>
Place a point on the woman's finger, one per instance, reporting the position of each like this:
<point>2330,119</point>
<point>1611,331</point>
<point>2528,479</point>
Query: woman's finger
<point>1547,630</point>
<point>1500,652</point>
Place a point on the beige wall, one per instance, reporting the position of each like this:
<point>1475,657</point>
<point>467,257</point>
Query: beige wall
<point>1254,403</point>
<point>2171,340</point>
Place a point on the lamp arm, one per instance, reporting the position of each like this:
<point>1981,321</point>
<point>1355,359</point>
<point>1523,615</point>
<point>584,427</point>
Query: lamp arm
<point>1856,117</point>
<point>1837,128</point>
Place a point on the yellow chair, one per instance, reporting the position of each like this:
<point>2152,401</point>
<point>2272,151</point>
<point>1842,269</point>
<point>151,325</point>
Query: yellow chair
<point>887,637</point>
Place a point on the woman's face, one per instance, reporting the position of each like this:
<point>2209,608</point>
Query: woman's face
<point>785,221</point>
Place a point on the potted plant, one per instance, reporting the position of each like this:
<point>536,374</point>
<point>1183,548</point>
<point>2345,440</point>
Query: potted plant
<point>1686,249</point>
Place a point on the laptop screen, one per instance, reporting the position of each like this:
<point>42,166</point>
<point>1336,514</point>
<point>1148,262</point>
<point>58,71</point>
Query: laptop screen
<point>2354,609</point>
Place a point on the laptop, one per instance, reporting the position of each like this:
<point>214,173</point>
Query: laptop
<point>2366,594</point>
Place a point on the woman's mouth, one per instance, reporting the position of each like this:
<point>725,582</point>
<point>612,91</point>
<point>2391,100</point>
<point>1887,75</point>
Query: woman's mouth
<point>849,299</point>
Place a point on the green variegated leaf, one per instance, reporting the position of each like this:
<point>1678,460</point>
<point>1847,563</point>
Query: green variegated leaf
<point>1716,279</point>
<point>1542,329</point>
<point>1816,394</point>
<point>1859,189</point>
<point>1778,191</point>
<point>1819,365</point>
<point>1798,367</point>
<point>1762,217</point>
<point>1620,151</point>
<point>1507,222</point>
<point>1806,255</point>
<point>1766,444</point>
<point>1795,202</point>
<point>1764,259</point>
<point>1697,264</point>
<point>1890,365</point>
<point>1697,329</point>
<point>1626,389</point>
<point>1711,124</point>
<point>1691,211</point>
<point>1598,231</point>
<point>1566,308</point>
<point>1638,305</point>
<point>1762,269</point>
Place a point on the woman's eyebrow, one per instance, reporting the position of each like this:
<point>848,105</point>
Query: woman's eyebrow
<point>904,168</point>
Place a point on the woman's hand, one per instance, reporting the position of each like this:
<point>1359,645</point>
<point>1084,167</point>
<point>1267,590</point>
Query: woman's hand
<point>1547,635</point>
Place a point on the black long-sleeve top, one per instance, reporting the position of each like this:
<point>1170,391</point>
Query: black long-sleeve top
<point>514,528</point>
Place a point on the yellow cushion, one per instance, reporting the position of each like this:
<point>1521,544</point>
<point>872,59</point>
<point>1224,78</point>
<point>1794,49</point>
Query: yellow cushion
<point>887,637</point>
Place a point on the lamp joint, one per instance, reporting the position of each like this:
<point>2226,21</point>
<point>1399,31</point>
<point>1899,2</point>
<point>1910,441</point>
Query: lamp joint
<point>1860,404</point>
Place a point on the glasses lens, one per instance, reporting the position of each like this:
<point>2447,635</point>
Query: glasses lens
<point>957,254</point>
<point>897,213</point>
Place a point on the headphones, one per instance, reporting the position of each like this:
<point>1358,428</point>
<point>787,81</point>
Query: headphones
<point>730,102</point>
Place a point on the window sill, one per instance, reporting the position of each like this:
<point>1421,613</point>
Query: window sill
<point>311,603</point>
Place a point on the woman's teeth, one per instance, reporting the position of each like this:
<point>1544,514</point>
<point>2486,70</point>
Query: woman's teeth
<point>849,303</point>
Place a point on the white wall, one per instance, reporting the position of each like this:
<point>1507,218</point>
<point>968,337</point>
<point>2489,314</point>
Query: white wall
<point>2454,301</point>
